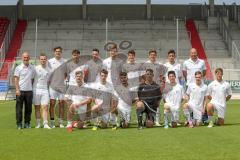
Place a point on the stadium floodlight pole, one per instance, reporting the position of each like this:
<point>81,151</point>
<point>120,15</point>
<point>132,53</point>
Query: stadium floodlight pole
<point>177,37</point>
<point>106,36</point>
<point>36,37</point>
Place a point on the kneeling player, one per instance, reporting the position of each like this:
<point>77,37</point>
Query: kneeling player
<point>219,91</point>
<point>125,100</point>
<point>173,97</point>
<point>196,93</point>
<point>103,100</point>
<point>77,102</point>
<point>149,96</point>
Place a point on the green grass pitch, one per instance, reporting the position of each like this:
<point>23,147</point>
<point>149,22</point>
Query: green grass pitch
<point>217,143</point>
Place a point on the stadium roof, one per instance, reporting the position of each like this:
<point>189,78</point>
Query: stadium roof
<point>54,2</point>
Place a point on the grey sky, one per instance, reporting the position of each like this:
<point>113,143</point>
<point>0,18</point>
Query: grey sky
<point>13,2</point>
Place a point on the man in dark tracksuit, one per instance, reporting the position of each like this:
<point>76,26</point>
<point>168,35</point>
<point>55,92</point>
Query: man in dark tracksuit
<point>149,96</point>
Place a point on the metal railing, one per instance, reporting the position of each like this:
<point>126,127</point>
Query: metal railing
<point>8,36</point>
<point>235,54</point>
<point>225,33</point>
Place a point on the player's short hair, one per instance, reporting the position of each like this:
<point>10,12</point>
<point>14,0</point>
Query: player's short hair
<point>78,72</point>
<point>198,72</point>
<point>171,51</point>
<point>112,46</point>
<point>172,72</point>
<point>123,74</point>
<point>42,54</point>
<point>95,49</point>
<point>75,51</point>
<point>58,47</point>
<point>104,71</point>
<point>149,70</point>
<point>131,52</point>
<point>152,51</point>
<point>218,70</point>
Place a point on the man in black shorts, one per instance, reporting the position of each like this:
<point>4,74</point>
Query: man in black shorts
<point>149,96</point>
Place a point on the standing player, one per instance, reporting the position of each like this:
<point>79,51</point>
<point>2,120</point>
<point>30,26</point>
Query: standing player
<point>125,100</point>
<point>23,78</point>
<point>103,100</point>
<point>219,91</point>
<point>113,65</point>
<point>173,97</point>
<point>132,69</point>
<point>192,65</point>
<point>93,72</point>
<point>40,91</point>
<point>54,63</point>
<point>149,96</point>
<point>94,67</point>
<point>73,66</point>
<point>196,93</point>
<point>77,102</point>
<point>172,65</point>
<point>159,71</point>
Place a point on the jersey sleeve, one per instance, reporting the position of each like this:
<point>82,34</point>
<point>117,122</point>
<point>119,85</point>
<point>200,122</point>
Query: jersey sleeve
<point>184,67</point>
<point>17,71</point>
<point>204,65</point>
<point>229,90</point>
<point>209,90</point>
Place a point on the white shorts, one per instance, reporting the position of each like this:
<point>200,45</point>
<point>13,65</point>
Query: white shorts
<point>125,114</point>
<point>175,112</point>
<point>55,94</point>
<point>220,109</point>
<point>196,110</point>
<point>41,98</point>
<point>81,111</point>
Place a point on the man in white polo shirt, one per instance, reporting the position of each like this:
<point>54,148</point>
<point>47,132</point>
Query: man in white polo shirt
<point>192,65</point>
<point>219,91</point>
<point>23,77</point>
<point>54,63</point>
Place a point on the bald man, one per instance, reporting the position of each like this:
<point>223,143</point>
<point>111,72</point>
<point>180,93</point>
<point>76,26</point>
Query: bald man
<point>23,78</point>
<point>192,65</point>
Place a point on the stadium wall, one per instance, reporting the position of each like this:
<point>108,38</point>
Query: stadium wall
<point>96,12</point>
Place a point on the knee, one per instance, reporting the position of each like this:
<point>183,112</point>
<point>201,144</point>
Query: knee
<point>140,105</point>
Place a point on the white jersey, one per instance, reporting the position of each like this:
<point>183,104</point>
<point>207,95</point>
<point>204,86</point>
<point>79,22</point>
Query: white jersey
<point>54,63</point>
<point>219,91</point>
<point>174,95</point>
<point>114,67</point>
<point>196,94</point>
<point>191,67</point>
<point>71,70</point>
<point>25,74</point>
<point>176,67</point>
<point>158,69</point>
<point>41,79</point>
<point>76,97</point>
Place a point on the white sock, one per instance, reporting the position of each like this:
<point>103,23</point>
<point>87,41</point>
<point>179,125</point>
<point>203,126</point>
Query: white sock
<point>38,121</point>
<point>187,114</point>
<point>60,120</point>
<point>166,117</point>
<point>210,118</point>
<point>69,124</point>
<point>157,115</point>
<point>113,119</point>
<point>45,122</point>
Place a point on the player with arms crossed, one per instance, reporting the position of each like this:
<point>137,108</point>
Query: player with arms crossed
<point>219,91</point>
